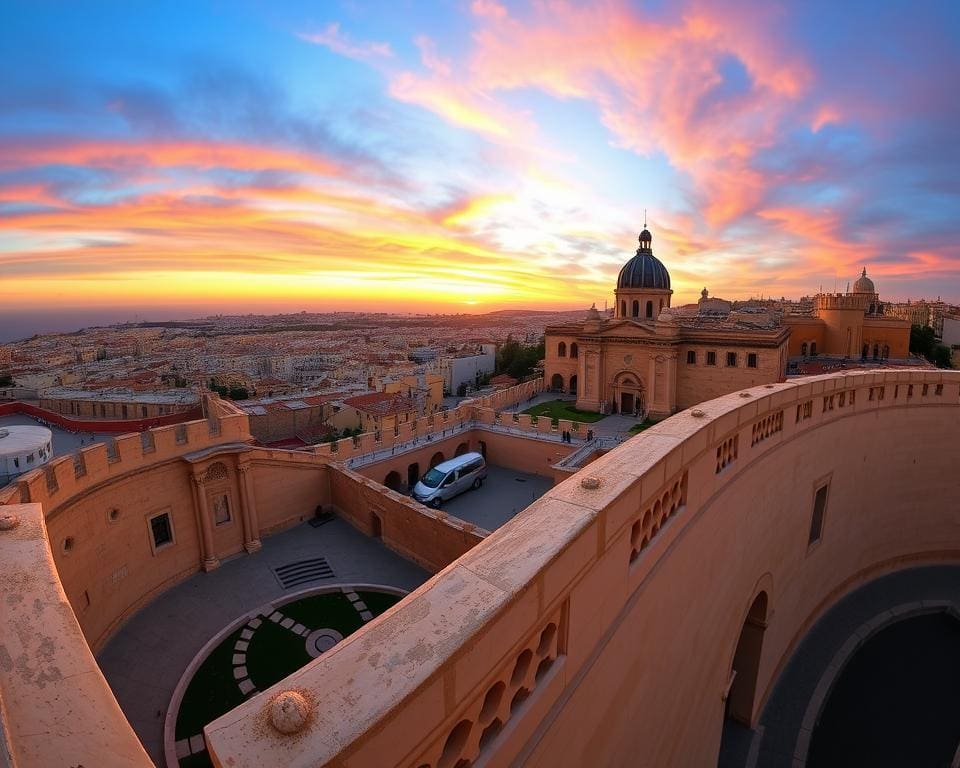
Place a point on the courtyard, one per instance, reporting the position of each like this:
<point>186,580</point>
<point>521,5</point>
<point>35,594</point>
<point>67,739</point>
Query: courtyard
<point>504,493</point>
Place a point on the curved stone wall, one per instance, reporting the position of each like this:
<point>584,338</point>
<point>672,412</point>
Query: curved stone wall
<point>601,625</point>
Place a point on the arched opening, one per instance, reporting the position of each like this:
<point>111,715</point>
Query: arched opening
<point>376,526</point>
<point>746,663</point>
<point>556,382</point>
<point>562,349</point>
<point>886,352</point>
<point>636,308</point>
<point>413,474</point>
<point>866,351</point>
<point>803,349</point>
<point>574,350</point>
<point>626,402</point>
<point>437,458</point>
<point>393,481</point>
<point>649,309</point>
<point>623,309</point>
<point>483,449</point>
<point>461,449</point>
<point>876,351</point>
<point>573,384</point>
<point>813,349</point>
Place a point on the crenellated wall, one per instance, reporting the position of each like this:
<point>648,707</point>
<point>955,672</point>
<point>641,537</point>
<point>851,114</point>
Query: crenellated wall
<point>598,627</point>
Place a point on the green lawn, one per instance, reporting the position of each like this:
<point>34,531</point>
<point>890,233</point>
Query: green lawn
<point>273,653</point>
<point>564,409</point>
<point>642,426</point>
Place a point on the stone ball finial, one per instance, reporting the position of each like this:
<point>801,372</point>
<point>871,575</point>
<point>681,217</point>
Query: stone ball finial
<point>8,522</point>
<point>289,711</point>
<point>590,483</point>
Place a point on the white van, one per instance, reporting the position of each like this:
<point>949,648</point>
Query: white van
<point>450,478</point>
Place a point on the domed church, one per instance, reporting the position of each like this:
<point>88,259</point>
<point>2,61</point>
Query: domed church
<point>651,359</point>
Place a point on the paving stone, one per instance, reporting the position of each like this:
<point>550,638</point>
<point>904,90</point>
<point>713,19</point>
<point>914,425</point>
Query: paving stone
<point>182,748</point>
<point>197,744</point>
<point>241,645</point>
<point>239,658</point>
<point>286,623</point>
<point>352,596</point>
<point>298,628</point>
<point>246,634</point>
<point>254,623</point>
<point>239,673</point>
<point>366,615</point>
<point>360,605</point>
<point>276,617</point>
<point>246,686</point>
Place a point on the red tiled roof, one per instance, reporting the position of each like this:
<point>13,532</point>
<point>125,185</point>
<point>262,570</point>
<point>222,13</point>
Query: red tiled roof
<point>381,403</point>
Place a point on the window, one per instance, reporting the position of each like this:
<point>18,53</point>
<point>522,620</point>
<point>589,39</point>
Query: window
<point>562,349</point>
<point>752,360</point>
<point>221,509</point>
<point>731,359</point>
<point>819,508</point>
<point>574,350</point>
<point>691,357</point>
<point>161,530</point>
<point>623,309</point>
<point>711,358</point>
<point>636,309</point>
<point>649,309</point>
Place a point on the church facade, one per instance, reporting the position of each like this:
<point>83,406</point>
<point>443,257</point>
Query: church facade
<point>652,359</point>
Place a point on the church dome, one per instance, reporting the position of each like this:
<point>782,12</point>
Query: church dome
<point>644,270</point>
<point>864,284</point>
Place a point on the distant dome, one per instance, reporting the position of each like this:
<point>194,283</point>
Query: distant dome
<point>644,270</point>
<point>864,284</point>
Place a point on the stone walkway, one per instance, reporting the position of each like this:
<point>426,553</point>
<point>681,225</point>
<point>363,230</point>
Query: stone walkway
<point>787,720</point>
<point>144,660</point>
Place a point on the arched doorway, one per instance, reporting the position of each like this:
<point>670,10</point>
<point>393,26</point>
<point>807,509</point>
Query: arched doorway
<point>461,449</point>
<point>573,384</point>
<point>628,396</point>
<point>413,474</point>
<point>393,481</point>
<point>376,526</point>
<point>437,458</point>
<point>556,382</point>
<point>746,663</point>
<point>483,449</point>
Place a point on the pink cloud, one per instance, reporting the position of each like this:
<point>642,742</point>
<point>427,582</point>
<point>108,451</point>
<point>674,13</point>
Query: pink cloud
<point>331,37</point>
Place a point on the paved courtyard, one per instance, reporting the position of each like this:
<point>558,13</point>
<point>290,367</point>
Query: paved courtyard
<point>144,660</point>
<point>503,494</point>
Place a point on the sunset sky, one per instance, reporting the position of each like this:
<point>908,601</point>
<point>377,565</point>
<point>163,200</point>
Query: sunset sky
<point>468,156</point>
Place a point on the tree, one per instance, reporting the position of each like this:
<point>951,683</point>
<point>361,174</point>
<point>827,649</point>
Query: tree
<point>924,342</point>
<point>6,380</point>
<point>238,393</point>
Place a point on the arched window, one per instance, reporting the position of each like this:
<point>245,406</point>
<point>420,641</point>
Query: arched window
<point>803,349</point>
<point>813,349</point>
<point>574,350</point>
<point>649,309</point>
<point>636,308</point>
<point>623,308</point>
<point>876,351</point>
<point>562,349</point>
<point>886,352</point>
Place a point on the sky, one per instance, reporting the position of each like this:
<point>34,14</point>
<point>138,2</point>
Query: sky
<point>470,155</point>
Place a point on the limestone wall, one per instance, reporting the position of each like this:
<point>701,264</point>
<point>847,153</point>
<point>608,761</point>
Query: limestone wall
<point>698,381</point>
<point>429,537</point>
<point>598,627</point>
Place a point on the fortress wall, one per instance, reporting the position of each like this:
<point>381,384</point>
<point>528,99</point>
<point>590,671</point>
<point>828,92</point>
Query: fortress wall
<point>598,627</point>
<point>429,537</point>
<point>288,487</point>
<point>56,706</point>
<point>699,382</point>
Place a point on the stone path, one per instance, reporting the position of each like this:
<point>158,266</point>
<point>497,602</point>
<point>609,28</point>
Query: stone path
<point>787,720</point>
<point>144,660</point>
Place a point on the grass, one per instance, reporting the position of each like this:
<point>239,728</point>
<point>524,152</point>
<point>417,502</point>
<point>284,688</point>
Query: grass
<point>645,424</point>
<point>273,654</point>
<point>564,409</point>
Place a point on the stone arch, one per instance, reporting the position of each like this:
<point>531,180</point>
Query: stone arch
<point>413,474</point>
<point>742,696</point>
<point>628,394</point>
<point>573,384</point>
<point>216,471</point>
<point>636,308</point>
<point>649,309</point>
<point>556,382</point>
<point>437,458</point>
<point>562,349</point>
<point>393,481</point>
<point>462,449</point>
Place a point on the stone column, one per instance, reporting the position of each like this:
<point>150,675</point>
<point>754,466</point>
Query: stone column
<point>248,508</point>
<point>207,554</point>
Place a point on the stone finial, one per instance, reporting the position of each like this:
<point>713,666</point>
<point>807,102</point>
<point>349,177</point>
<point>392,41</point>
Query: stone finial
<point>8,522</point>
<point>590,483</point>
<point>697,413</point>
<point>289,711</point>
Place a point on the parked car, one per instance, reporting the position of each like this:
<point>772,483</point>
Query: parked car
<point>450,478</point>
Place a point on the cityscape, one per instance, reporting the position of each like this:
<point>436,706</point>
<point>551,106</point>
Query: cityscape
<point>479,384</point>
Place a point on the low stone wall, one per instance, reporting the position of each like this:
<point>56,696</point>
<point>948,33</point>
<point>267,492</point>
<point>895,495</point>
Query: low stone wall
<point>121,426</point>
<point>429,537</point>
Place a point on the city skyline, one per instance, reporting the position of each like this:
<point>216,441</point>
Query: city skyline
<point>471,156</point>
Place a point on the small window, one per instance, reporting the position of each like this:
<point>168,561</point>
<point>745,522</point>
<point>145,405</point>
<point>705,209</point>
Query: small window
<point>161,530</point>
<point>691,357</point>
<point>819,508</point>
<point>731,359</point>
<point>30,458</point>
<point>752,360</point>
<point>938,390</point>
<point>711,358</point>
<point>562,349</point>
